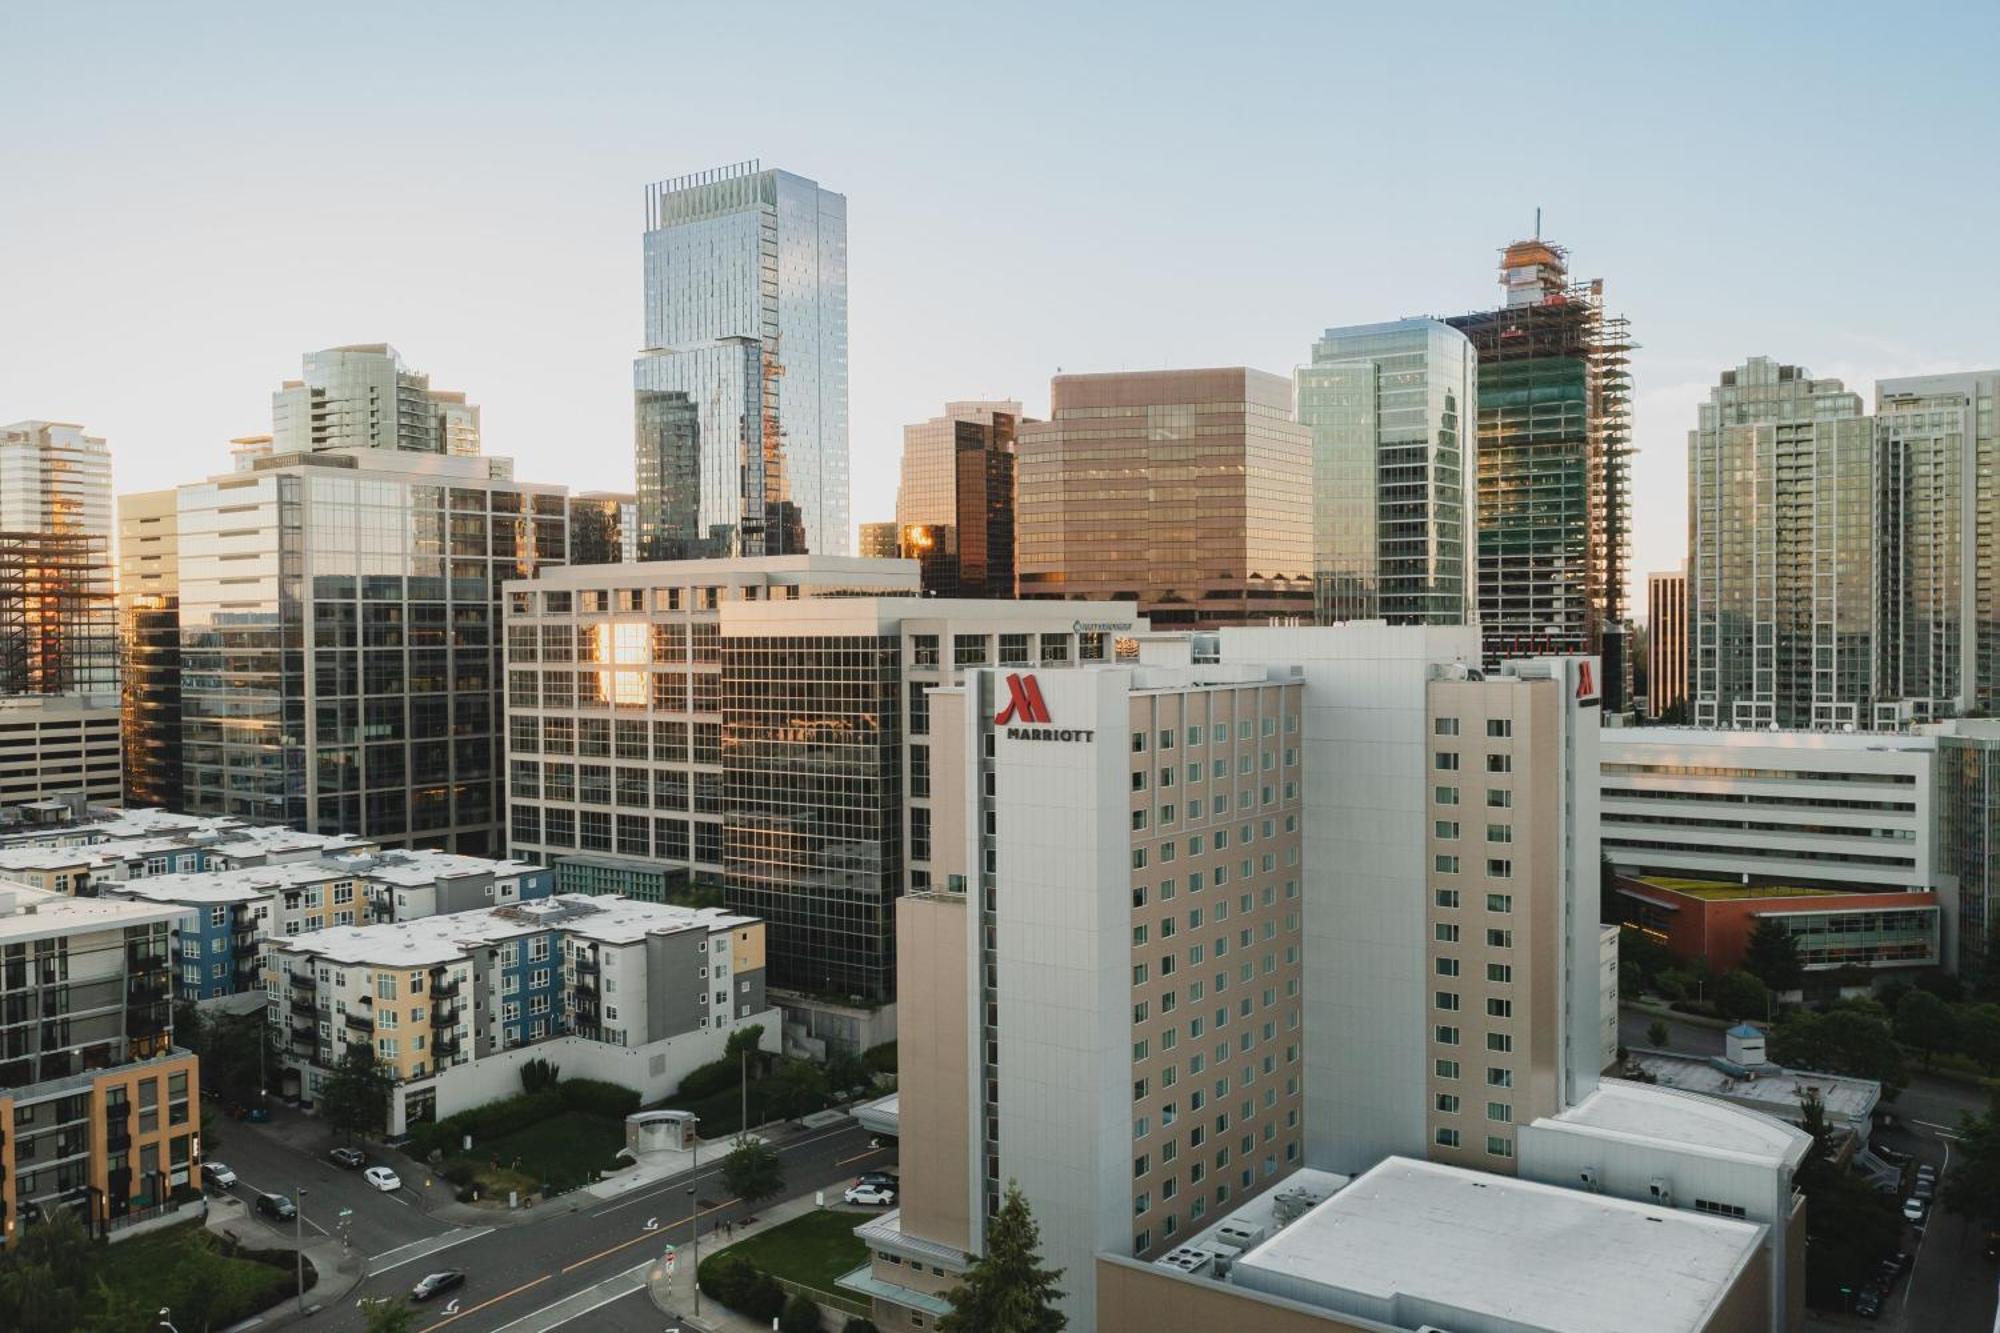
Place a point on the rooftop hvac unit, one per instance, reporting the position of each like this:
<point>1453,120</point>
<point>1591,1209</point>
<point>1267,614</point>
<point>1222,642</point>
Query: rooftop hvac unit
<point>1239,1234</point>
<point>1225,1259</point>
<point>1661,1191</point>
<point>1288,1206</point>
<point>1188,1260</point>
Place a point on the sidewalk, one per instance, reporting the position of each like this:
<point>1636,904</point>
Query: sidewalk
<point>674,1297</point>
<point>340,1272</point>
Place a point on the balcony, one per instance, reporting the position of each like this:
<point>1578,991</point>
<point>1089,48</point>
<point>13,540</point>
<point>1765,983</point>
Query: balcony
<point>304,1041</point>
<point>304,1009</point>
<point>305,980</point>
<point>361,1022</point>
<point>585,967</point>
<point>445,1015</point>
<point>446,1047</point>
<point>448,991</point>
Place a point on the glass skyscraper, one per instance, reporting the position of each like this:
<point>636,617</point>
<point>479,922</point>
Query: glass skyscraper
<point>1780,538</point>
<point>1390,408</point>
<point>741,392</point>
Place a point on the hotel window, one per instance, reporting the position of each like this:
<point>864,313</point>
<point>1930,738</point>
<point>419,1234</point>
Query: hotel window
<point>1445,1068</point>
<point>1499,727</point>
<point>1499,902</point>
<point>1502,973</point>
<point>1447,967</point>
<point>1445,726</point>
<point>1500,1113</point>
<point>1446,1000</point>
<point>1447,1138</point>
<point>1499,867</point>
<point>1497,1008</point>
<point>1446,1103</point>
<point>1499,798</point>
<point>1499,833</point>
<point>1446,761</point>
<point>1445,1035</point>
<point>1445,932</point>
<point>1446,828</point>
<point>1445,795</point>
<point>1497,1077</point>
<point>1445,897</point>
<point>1445,864</point>
<point>1499,763</point>
<point>1499,939</point>
<point>1497,1146</point>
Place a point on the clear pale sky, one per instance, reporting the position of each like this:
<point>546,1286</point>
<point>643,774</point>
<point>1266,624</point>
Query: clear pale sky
<point>193,195</point>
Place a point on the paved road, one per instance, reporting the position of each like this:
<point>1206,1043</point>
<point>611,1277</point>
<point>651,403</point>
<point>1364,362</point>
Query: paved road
<point>279,1157</point>
<point>588,1256</point>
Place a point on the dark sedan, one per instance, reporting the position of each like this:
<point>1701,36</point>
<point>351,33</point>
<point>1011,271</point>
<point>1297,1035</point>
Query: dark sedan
<point>436,1284</point>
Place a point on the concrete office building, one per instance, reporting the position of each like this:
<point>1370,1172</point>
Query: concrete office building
<point>364,397</point>
<point>1176,489</point>
<point>58,747</point>
<point>149,618</point>
<point>1666,643</point>
<point>340,623</point>
<point>102,1111</point>
<point>741,412</point>
<point>955,503</point>
<point>1781,530</point>
<point>760,722</point>
<point>633,993</point>
<point>1937,507</point>
<point>1555,445</point>
<point>1119,900</point>
<point>1391,408</point>
<point>1711,922</point>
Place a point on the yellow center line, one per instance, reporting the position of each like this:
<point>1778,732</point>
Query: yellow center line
<point>858,1156</point>
<point>647,1235</point>
<point>483,1304</point>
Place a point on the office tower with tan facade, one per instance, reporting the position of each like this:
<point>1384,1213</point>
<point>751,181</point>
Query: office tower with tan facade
<point>1666,643</point>
<point>760,722</point>
<point>1101,991</point>
<point>1186,491</point>
<point>102,1112</point>
<point>1781,535</point>
<point>955,504</point>
<point>149,617</point>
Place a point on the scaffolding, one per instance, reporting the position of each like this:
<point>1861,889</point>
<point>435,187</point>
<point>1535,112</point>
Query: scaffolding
<point>58,622</point>
<point>1554,470</point>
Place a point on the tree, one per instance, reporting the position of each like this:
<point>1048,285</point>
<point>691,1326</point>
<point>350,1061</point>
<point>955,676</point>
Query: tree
<point>1772,955</point>
<point>1979,1035</point>
<point>1848,1225</point>
<point>538,1074</point>
<point>384,1315</point>
<point>1851,1038</point>
<point>1008,1290</point>
<point>846,1071</point>
<point>753,1171</point>
<point>795,1088</point>
<point>1972,1189</point>
<point>1656,1035</point>
<point>1740,994</point>
<point>356,1098</point>
<point>1926,1024</point>
<point>801,1315</point>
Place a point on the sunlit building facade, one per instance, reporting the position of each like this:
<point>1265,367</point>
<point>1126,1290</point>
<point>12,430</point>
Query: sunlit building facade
<point>1666,642</point>
<point>741,391</point>
<point>363,397</point>
<point>340,617</point>
<point>1390,408</point>
<point>1181,490</point>
<point>149,617</point>
<point>603,528</point>
<point>955,502</point>
<point>1781,536</point>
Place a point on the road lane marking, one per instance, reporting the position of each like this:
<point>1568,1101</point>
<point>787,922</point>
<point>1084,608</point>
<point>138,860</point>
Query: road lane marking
<point>436,1243</point>
<point>858,1156</point>
<point>630,1281</point>
<point>671,1182</point>
<point>648,1235</point>
<point>483,1304</point>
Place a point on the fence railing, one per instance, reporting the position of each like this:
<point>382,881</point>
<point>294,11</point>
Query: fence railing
<point>827,1300</point>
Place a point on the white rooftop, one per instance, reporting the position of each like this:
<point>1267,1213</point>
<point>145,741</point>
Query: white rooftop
<point>1412,1243</point>
<point>28,913</point>
<point>610,918</point>
<point>1768,1088</point>
<point>227,886</point>
<point>413,868</point>
<point>1645,1113</point>
<point>51,858</point>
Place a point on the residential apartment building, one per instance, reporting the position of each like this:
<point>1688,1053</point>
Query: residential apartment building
<point>1781,524</point>
<point>364,397</point>
<point>741,411</point>
<point>58,747</point>
<point>149,618</point>
<point>1666,644</point>
<point>955,503</point>
<point>1968,839</point>
<point>340,619</point>
<point>1176,489</point>
<point>1391,408</point>
<point>102,1112</point>
<point>1937,512</point>
<point>1555,444</point>
<point>762,723</point>
<point>633,993</point>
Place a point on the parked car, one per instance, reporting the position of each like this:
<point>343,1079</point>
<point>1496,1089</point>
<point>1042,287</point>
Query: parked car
<point>382,1178</point>
<point>1927,1172</point>
<point>218,1175</point>
<point>872,1195</point>
<point>1913,1210</point>
<point>883,1178</point>
<point>351,1158</point>
<point>434,1284</point>
<point>256,1115</point>
<point>1868,1302</point>
<point>277,1207</point>
<point>1924,1189</point>
<point>1888,1276</point>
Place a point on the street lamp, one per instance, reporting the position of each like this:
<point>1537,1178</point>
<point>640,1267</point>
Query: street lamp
<point>694,1231</point>
<point>299,1244</point>
<point>165,1322</point>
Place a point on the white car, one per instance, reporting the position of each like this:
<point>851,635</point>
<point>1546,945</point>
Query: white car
<point>218,1175</point>
<point>1913,1210</point>
<point>382,1178</point>
<point>873,1195</point>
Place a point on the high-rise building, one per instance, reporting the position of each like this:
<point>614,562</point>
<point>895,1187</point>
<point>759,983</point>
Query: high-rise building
<point>955,503</point>
<point>1391,411</point>
<point>762,723</point>
<point>103,1113</point>
<point>1666,643</point>
<point>603,528</point>
<point>741,411</point>
<point>54,478</point>
<point>58,747</point>
<point>149,617</point>
<point>1968,841</point>
<point>364,397</point>
<point>1937,510</point>
<point>1180,490</point>
<point>1781,533</point>
<point>879,541</point>
<point>340,638</point>
<point>1554,454</point>
<point>58,624</point>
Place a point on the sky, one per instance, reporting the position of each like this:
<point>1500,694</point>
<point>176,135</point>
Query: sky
<point>192,196</point>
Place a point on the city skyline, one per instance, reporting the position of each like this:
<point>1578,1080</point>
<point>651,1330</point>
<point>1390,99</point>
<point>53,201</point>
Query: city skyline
<point>528,308</point>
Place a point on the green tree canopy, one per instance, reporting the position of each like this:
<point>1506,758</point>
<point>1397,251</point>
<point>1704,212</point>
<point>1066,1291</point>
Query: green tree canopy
<point>1926,1024</point>
<point>1772,955</point>
<point>356,1098</point>
<point>1740,994</point>
<point>1851,1038</point>
<point>753,1171</point>
<point>1972,1189</point>
<point>1008,1290</point>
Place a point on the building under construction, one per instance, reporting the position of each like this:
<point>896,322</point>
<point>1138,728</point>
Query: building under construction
<point>58,624</point>
<point>1555,444</point>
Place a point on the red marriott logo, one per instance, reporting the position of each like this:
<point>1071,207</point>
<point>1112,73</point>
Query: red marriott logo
<point>1024,702</point>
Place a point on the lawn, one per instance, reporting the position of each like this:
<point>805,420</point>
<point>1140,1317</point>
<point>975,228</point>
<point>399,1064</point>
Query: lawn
<point>812,1249</point>
<point>564,1151</point>
<point>162,1268</point>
